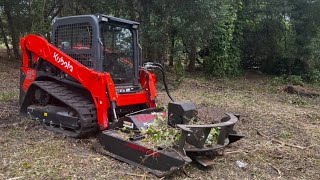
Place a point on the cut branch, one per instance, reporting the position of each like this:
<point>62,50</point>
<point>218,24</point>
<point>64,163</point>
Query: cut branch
<point>281,142</point>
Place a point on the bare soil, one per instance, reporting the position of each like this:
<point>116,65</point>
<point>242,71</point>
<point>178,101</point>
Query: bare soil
<point>301,91</point>
<point>282,134</point>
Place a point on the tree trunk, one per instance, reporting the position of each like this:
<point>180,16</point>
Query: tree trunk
<point>172,39</point>
<point>5,39</point>
<point>192,56</point>
<point>14,34</point>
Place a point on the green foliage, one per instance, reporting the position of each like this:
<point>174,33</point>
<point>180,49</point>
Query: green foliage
<point>314,48</point>
<point>213,136</point>
<point>280,36</point>
<point>224,58</point>
<point>314,76</point>
<point>160,134</point>
<point>291,79</point>
<point>298,100</point>
<point>228,36</point>
<point>295,80</point>
<point>26,165</point>
<point>278,80</point>
<point>315,53</point>
<point>179,69</point>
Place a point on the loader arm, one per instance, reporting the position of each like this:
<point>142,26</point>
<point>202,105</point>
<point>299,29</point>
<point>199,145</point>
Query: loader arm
<point>99,84</point>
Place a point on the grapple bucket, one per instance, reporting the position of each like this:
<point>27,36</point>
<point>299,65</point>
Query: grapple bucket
<point>161,161</point>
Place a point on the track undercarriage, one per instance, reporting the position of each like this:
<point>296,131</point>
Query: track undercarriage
<point>65,111</point>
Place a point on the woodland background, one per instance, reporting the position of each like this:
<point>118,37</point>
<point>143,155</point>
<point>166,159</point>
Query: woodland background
<point>238,56</point>
<point>219,37</point>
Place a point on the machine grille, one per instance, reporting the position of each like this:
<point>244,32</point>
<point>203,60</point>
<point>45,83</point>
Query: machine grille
<point>84,59</point>
<point>76,41</point>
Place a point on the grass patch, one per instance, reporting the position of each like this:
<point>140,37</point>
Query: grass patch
<point>8,96</point>
<point>318,162</point>
<point>285,135</point>
<point>298,100</point>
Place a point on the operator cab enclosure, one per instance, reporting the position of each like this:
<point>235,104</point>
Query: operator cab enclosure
<point>103,43</point>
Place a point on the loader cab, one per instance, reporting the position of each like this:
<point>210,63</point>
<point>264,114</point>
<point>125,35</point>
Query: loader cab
<point>102,43</point>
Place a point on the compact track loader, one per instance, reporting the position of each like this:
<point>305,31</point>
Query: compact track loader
<point>91,81</point>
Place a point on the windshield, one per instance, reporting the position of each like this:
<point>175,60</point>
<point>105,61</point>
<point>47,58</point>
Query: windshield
<point>118,53</point>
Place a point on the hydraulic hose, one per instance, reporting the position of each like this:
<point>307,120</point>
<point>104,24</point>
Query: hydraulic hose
<point>160,67</point>
<point>165,83</point>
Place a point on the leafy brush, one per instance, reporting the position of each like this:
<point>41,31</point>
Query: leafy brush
<point>159,134</point>
<point>212,137</point>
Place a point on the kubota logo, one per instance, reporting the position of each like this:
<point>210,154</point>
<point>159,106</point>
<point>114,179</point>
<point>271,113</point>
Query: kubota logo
<point>61,61</point>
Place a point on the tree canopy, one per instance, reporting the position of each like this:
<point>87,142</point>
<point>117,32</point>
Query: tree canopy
<point>220,37</point>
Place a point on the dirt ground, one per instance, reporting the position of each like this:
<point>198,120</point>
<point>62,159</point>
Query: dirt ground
<point>282,134</point>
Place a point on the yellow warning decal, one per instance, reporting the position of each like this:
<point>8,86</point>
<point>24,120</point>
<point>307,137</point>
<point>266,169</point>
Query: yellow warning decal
<point>45,114</point>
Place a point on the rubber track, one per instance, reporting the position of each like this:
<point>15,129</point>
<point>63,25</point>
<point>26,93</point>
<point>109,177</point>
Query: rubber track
<point>84,107</point>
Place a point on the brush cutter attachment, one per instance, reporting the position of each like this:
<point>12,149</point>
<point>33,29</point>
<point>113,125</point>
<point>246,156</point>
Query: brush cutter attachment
<point>127,142</point>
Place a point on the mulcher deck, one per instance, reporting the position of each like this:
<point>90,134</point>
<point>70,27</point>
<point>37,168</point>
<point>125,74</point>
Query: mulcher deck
<point>159,162</point>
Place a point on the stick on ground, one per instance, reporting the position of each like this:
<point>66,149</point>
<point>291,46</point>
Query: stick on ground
<point>281,142</point>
